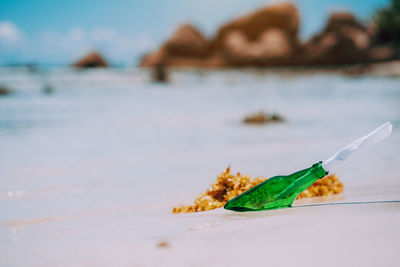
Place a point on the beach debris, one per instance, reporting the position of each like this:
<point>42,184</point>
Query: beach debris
<point>229,185</point>
<point>280,191</point>
<point>4,90</point>
<point>240,193</point>
<point>262,118</point>
<point>163,244</point>
<point>327,186</point>
<point>91,60</point>
<point>48,89</point>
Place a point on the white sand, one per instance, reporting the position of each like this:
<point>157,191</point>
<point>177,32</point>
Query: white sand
<point>89,175</point>
<point>334,235</point>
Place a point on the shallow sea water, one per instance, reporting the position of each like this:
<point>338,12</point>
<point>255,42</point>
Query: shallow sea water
<point>90,172</point>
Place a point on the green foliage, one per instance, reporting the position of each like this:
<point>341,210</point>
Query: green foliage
<point>388,23</point>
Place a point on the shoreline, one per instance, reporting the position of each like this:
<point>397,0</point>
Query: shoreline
<point>381,68</point>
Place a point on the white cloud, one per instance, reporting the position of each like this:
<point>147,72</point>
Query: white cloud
<point>114,45</point>
<point>64,47</point>
<point>76,34</point>
<point>104,35</point>
<point>9,32</point>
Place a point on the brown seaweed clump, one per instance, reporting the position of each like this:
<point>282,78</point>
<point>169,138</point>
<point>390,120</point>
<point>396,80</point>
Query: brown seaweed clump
<point>224,189</point>
<point>229,186</point>
<point>327,186</point>
<point>262,118</point>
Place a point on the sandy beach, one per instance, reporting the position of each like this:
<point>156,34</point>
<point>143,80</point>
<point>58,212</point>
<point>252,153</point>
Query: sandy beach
<point>91,172</point>
<point>126,126</point>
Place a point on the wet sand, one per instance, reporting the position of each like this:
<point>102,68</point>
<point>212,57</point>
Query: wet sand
<point>89,174</point>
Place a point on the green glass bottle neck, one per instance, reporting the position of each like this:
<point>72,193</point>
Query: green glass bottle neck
<point>319,169</point>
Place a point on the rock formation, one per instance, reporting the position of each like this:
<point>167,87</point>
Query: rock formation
<point>272,48</point>
<point>269,37</point>
<point>186,43</point>
<point>344,40</point>
<point>91,60</point>
<point>265,37</point>
<point>154,59</point>
<point>281,16</point>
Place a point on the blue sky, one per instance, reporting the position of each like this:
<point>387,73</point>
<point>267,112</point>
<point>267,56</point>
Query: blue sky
<point>58,32</point>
